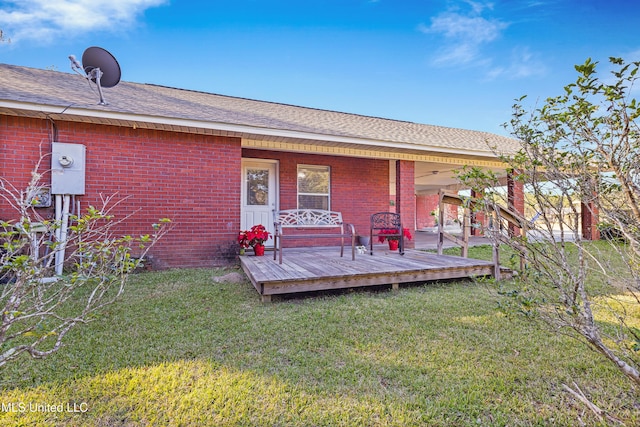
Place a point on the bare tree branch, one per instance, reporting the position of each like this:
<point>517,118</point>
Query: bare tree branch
<point>579,151</point>
<point>38,307</point>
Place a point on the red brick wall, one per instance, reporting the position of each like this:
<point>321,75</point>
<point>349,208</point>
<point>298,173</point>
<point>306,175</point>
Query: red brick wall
<point>424,206</point>
<point>359,187</point>
<point>192,179</point>
<point>427,204</point>
<point>21,142</point>
<point>589,212</point>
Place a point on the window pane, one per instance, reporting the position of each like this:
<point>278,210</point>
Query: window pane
<point>313,187</point>
<point>313,180</point>
<point>313,202</point>
<point>257,187</point>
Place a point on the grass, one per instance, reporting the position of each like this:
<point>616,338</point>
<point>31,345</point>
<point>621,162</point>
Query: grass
<point>179,349</point>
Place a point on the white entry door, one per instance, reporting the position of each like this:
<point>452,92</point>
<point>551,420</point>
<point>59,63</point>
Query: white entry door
<point>259,194</point>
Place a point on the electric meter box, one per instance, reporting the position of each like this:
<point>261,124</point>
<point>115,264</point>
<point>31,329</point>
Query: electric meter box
<point>67,168</point>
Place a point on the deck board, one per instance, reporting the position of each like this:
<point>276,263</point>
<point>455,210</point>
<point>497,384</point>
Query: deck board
<point>312,269</point>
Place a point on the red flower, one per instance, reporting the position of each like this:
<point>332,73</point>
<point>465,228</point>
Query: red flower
<point>256,236</point>
<point>382,237</point>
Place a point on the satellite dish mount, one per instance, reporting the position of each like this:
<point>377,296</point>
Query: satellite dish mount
<point>98,66</point>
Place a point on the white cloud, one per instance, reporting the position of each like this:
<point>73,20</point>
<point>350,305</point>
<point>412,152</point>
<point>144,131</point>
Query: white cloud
<point>478,7</point>
<point>522,64</point>
<point>470,29</point>
<point>44,20</point>
<point>465,34</point>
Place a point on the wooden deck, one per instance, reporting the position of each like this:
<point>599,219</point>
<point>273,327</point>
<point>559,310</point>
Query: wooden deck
<point>313,269</point>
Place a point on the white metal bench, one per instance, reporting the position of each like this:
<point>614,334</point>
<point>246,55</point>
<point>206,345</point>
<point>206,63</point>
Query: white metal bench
<point>311,219</point>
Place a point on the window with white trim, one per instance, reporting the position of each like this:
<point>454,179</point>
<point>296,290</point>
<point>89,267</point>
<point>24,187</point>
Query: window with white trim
<point>314,187</point>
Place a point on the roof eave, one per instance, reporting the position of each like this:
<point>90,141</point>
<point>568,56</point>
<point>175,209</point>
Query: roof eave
<point>186,125</point>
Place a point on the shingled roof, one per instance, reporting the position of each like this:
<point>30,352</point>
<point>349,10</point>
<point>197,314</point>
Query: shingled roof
<point>67,96</point>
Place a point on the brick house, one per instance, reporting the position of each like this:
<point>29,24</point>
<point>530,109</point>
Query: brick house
<point>217,164</point>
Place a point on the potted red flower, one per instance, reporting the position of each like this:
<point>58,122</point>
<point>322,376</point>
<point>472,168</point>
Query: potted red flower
<point>254,238</point>
<point>394,241</point>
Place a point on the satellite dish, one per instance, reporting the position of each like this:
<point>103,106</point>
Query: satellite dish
<point>100,67</point>
<point>97,57</point>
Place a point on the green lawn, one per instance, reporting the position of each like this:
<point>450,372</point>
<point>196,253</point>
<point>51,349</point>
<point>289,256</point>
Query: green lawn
<point>179,349</point>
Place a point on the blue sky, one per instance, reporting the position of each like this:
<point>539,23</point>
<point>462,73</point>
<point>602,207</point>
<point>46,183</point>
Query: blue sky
<point>452,63</point>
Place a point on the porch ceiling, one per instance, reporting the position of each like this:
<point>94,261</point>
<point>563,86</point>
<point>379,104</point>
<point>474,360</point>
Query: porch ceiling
<point>431,177</point>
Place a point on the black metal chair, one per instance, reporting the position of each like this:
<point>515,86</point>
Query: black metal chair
<point>391,223</point>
